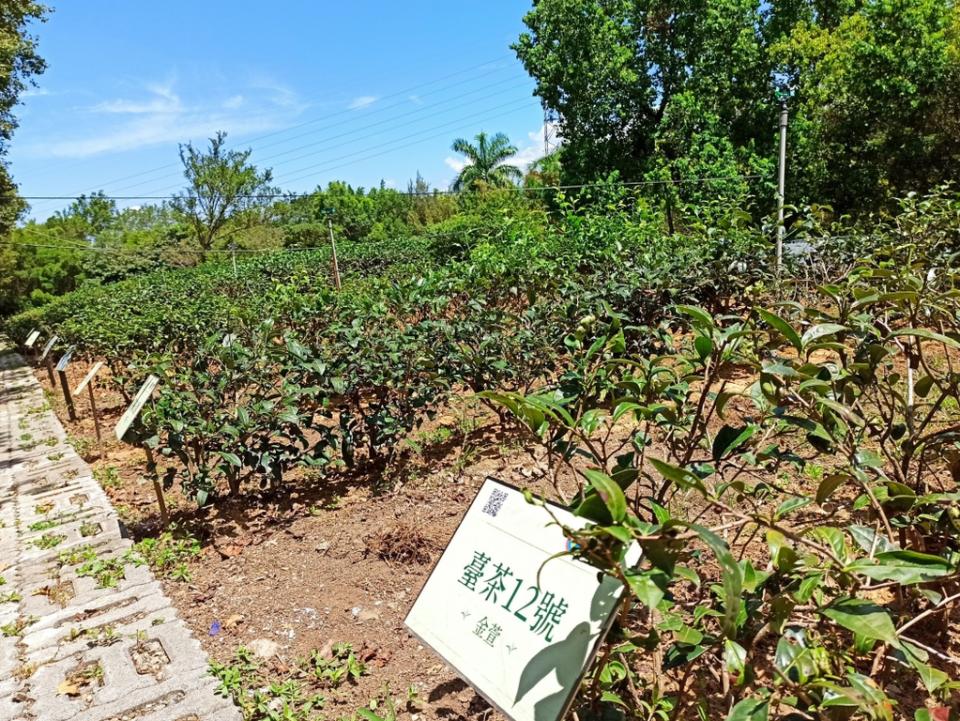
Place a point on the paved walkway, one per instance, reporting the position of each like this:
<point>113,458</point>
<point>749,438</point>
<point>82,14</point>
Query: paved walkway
<point>70,649</point>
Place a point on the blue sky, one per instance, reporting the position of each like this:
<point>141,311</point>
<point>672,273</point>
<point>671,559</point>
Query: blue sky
<point>361,91</point>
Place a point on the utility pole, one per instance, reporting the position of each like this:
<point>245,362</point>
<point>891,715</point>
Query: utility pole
<point>549,123</point>
<point>233,253</point>
<point>333,246</point>
<point>782,179</point>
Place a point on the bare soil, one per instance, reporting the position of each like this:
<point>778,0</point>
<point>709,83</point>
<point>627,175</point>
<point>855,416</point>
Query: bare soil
<point>338,561</point>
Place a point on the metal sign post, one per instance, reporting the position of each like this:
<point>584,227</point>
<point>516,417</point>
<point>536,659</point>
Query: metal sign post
<point>87,383</point>
<point>65,384</point>
<point>45,358</point>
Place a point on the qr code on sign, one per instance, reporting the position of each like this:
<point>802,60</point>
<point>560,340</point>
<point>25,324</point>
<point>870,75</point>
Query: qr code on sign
<point>495,502</point>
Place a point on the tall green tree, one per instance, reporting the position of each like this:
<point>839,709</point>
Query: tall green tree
<point>486,162</point>
<point>672,87</point>
<point>223,189</point>
<point>681,90</point>
<point>877,102</point>
<point>19,64</point>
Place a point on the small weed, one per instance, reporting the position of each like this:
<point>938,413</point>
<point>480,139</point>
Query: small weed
<point>168,554</point>
<point>342,666</point>
<point>54,457</point>
<point>44,525</point>
<point>261,698</point>
<point>43,509</point>
<point>89,529</point>
<point>15,628</point>
<point>83,446</point>
<point>49,540</point>
<point>107,477</point>
<point>10,597</point>
<point>108,572</point>
<point>26,437</point>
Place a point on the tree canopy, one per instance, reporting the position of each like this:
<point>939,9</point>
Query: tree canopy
<point>486,162</point>
<point>686,89</point>
<point>222,187</point>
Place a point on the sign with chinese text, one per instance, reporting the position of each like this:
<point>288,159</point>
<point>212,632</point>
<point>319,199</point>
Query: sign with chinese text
<point>31,339</point>
<point>48,347</point>
<point>65,360</point>
<point>88,377</point>
<point>522,631</point>
<point>139,401</point>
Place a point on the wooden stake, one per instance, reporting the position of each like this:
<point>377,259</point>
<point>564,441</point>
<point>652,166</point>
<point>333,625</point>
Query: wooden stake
<point>157,486</point>
<point>53,381</point>
<point>96,419</point>
<point>333,246</point>
<point>67,397</point>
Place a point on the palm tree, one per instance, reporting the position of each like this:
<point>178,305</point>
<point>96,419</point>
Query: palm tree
<point>485,162</point>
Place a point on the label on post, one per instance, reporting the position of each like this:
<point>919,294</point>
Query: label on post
<point>139,401</point>
<point>88,377</point>
<point>65,360</point>
<point>31,339</point>
<point>522,631</point>
<point>48,347</point>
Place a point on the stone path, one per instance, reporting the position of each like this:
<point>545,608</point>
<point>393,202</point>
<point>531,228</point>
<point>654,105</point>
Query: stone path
<point>70,649</point>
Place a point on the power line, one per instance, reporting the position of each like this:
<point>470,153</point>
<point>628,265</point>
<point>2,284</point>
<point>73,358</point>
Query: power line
<point>404,92</point>
<point>387,121</point>
<point>428,193</point>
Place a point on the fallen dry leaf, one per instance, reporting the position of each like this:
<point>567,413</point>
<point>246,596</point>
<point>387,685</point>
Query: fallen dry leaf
<point>233,620</point>
<point>68,688</point>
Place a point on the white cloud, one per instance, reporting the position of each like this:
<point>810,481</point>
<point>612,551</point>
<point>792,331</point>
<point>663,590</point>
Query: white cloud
<point>162,117</point>
<point>364,101</point>
<point>533,150</point>
<point>415,99</point>
<point>164,100</point>
<point>457,164</point>
<point>34,93</point>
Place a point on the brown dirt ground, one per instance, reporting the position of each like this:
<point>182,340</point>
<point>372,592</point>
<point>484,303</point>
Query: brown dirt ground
<point>343,563</point>
<point>317,566</point>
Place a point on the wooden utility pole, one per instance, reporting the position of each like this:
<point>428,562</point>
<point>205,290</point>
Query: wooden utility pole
<point>333,247</point>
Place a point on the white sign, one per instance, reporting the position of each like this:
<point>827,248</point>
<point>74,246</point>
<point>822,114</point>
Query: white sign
<point>48,347</point>
<point>88,377</point>
<point>31,339</point>
<point>139,401</point>
<point>65,359</point>
<point>524,644</point>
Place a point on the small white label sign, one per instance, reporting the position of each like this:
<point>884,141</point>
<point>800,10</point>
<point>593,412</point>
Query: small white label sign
<point>523,646</point>
<point>88,377</point>
<point>139,401</point>
<point>65,359</point>
<point>48,347</point>
<point>31,339</point>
